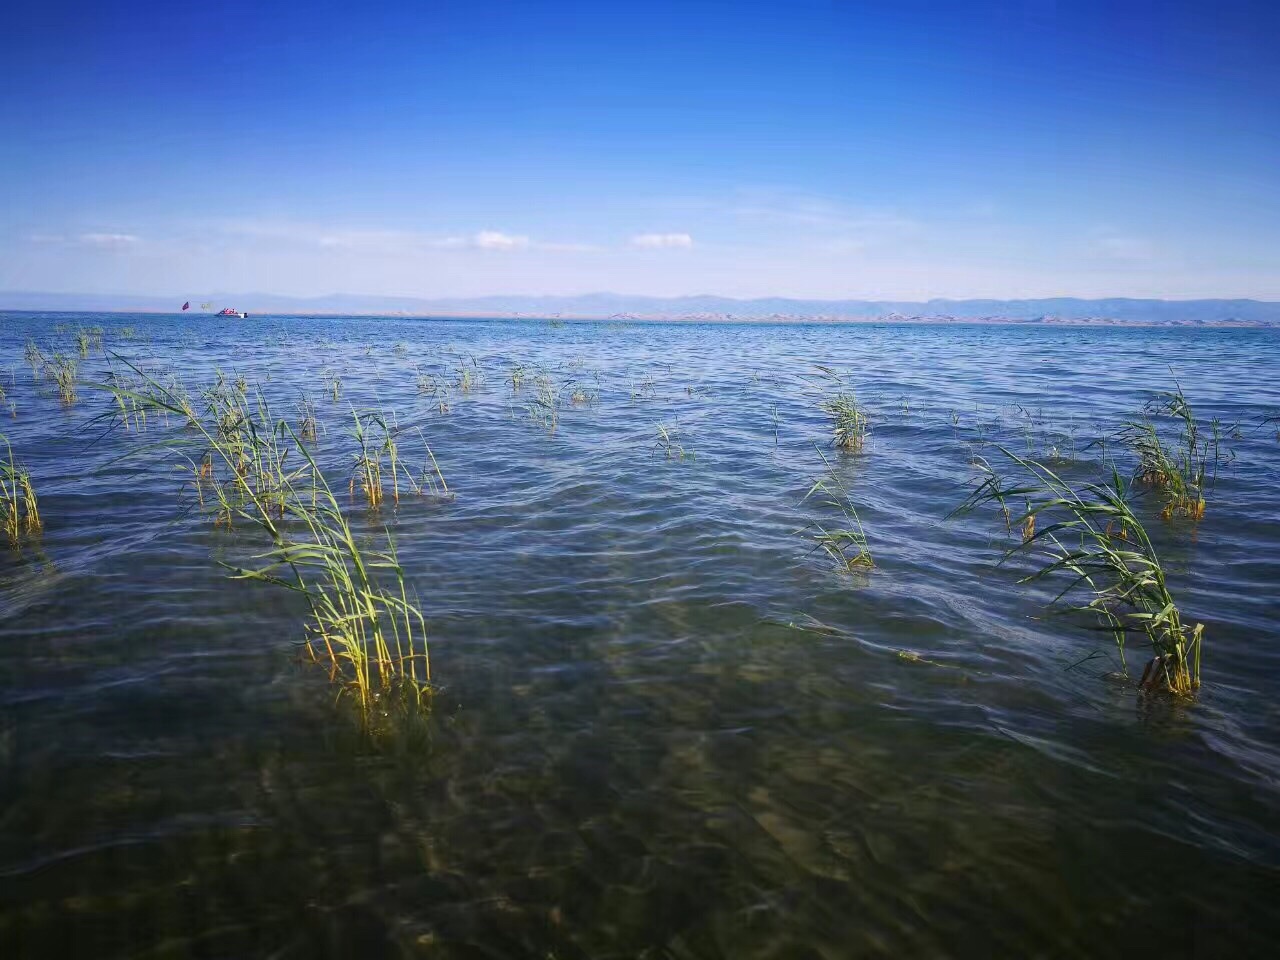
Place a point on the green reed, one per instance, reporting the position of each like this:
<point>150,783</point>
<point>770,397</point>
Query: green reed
<point>333,385</point>
<point>19,509</point>
<point>379,461</point>
<point>32,354</point>
<point>468,375</point>
<point>307,421</point>
<point>544,407</point>
<point>850,422</point>
<point>361,619</point>
<point>669,442</point>
<point>131,412</point>
<point>62,371</point>
<point>1177,467</point>
<point>1093,542</point>
<point>845,544</point>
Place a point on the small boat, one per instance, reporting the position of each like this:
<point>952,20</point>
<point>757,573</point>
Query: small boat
<point>230,312</point>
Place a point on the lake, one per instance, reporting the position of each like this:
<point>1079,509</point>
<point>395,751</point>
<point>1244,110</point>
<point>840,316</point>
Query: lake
<point>662,724</point>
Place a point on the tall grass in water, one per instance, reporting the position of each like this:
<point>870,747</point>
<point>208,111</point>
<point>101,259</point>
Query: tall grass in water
<point>847,544</point>
<point>307,422</point>
<point>1090,538</point>
<point>849,421</point>
<point>62,371</point>
<point>31,353</point>
<point>376,437</point>
<point>468,375</point>
<point>544,407</point>
<point>19,511</point>
<point>361,620</point>
<point>669,443</point>
<point>1178,467</point>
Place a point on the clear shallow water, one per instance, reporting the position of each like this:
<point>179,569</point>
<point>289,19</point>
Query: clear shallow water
<point>664,727</point>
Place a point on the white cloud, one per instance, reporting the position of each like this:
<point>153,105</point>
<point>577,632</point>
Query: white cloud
<point>494,240</point>
<point>656,241</point>
<point>108,241</point>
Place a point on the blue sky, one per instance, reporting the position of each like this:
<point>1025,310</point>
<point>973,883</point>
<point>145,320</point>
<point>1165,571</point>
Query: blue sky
<point>896,150</point>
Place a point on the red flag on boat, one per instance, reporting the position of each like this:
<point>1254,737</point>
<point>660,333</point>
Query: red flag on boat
<point>186,305</point>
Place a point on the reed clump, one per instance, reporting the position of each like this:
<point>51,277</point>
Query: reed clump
<point>850,422</point>
<point>1177,467</point>
<point>379,462</point>
<point>468,376</point>
<point>846,544</point>
<point>544,407</point>
<point>307,422</point>
<point>62,371</point>
<point>669,442</point>
<point>333,385</point>
<point>361,621</point>
<point>34,357</point>
<point>19,509</point>
<point>1090,539</point>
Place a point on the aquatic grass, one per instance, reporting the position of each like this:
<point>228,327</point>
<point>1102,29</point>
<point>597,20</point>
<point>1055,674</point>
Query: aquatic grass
<point>62,371</point>
<point>468,376</point>
<point>580,394</point>
<point>19,509</point>
<point>376,436</point>
<point>333,384</point>
<point>32,354</point>
<point>850,422</point>
<point>1178,467</point>
<point>1095,543</point>
<point>519,373</point>
<point>307,422</point>
<point>361,619</point>
<point>669,442</point>
<point>847,544</point>
<point>132,413</point>
<point>544,407</point>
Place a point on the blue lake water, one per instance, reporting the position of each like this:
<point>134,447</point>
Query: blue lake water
<point>663,725</point>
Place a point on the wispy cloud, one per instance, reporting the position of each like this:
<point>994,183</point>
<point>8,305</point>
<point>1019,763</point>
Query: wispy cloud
<point>393,241</point>
<point>108,241</point>
<point>487,240</point>
<point>656,241</point>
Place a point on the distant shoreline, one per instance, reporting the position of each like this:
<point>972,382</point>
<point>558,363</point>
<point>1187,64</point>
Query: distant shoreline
<point>922,320</point>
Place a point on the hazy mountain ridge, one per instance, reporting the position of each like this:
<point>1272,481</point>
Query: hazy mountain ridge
<point>1052,309</point>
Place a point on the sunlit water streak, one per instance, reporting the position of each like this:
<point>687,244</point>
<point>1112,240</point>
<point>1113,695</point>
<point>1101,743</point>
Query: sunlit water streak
<point>664,727</point>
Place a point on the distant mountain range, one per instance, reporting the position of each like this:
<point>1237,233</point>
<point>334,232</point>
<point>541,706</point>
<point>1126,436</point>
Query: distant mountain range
<point>606,305</point>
